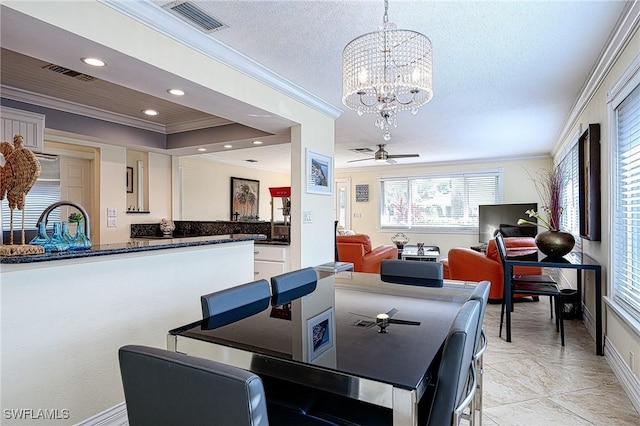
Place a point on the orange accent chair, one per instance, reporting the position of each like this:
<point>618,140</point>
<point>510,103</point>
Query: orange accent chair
<point>357,250</point>
<point>469,265</point>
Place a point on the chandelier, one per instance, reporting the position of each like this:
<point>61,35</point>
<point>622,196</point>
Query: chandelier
<point>385,72</point>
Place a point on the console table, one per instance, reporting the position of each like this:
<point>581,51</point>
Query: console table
<point>430,253</point>
<point>573,260</point>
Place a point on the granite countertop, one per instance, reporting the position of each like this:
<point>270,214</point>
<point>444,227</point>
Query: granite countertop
<point>132,246</point>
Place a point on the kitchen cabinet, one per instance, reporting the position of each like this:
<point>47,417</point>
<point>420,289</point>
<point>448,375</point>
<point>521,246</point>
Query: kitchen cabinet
<point>28,124</point>
<point>270,261</point>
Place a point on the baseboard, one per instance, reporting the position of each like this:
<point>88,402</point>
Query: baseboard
<point>589,322</point>
<point>629,382</point>
<point>114,416</point>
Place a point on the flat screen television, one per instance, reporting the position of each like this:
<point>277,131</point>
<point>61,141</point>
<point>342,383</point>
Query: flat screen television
<point>504,217</point>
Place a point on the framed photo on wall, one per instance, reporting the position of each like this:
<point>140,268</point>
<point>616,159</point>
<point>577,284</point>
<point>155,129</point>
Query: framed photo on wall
<point>130,180</point>
<point>589,183</point>
<point>319,173</point>
<point>245,198</point>
<point>320,336</point>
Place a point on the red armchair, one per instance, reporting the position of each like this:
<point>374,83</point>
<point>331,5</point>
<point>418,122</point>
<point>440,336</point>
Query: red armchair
<point>357,250</point>
<point>469,265</point>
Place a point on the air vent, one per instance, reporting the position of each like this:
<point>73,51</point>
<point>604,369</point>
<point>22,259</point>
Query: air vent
<point>361,150</point>
<point>251,161</point>
<point>69,73</point>
<point>193,15</point>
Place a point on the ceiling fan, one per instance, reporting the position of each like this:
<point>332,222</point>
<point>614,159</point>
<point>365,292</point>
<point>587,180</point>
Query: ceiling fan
<point>382,320</point>
<point>382,156</point>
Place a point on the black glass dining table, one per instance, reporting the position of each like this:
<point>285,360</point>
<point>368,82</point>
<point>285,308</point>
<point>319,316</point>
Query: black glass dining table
<point>574,260</point>
<point>330,339</point>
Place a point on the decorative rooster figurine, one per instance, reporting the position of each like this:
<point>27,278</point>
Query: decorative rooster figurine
<point>17,176</point>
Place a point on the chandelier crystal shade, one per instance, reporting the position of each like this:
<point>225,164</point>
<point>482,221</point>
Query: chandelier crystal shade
<point>387,71</point>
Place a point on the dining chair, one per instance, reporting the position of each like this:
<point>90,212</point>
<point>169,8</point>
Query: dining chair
<point>534,285</point>
<point>164,388</point>
<point>293,285</point>
<point>481,293</point>
<point>455,381</point>
<point>249,298</point>
<point>412,272</point>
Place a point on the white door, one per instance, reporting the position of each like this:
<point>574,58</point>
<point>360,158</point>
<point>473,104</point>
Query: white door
<point>343,202</point>
<point>75,184</point>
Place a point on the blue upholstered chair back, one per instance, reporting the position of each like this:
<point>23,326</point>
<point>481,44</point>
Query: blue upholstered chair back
<point>293,285</point>
<point>243,300</point>
<point>428,274</point>
<point>168,388</point>
<point>456,364</point>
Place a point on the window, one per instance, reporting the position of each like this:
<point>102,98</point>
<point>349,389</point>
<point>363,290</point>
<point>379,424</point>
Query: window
<point>569,221</point>
<point>44,192</point>
<point>626,226</point>
<point>446,203</point>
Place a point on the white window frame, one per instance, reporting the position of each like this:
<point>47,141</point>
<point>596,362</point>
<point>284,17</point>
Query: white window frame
<point>418,229</point>
<point>629,81</point>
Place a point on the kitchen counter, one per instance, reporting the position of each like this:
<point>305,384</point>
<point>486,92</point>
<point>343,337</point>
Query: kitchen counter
<point>134,245</point>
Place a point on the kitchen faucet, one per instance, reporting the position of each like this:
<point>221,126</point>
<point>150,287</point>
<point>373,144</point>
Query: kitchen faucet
<point>45,214</point>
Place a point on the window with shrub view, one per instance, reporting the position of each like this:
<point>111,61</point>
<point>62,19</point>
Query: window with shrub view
<point>446,203</point>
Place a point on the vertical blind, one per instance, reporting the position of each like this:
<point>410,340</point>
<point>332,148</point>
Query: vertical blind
<point>626,239</point>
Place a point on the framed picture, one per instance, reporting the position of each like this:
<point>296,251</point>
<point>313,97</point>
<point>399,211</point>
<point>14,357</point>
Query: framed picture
<point>320,336</point>
<point>245,198</point>
<point>130,180</point>
<point>319,173</point>
<point>362,193</point>
<point>589,183</point>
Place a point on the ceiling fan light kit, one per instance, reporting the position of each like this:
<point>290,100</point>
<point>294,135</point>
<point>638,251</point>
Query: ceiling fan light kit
<point>387,71</point>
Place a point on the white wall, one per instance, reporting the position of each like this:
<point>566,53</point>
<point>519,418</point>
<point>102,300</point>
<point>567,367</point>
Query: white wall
<point>206,188</point>
<point>64,321</point>
<point>623,337</point>
<point>517,188</point>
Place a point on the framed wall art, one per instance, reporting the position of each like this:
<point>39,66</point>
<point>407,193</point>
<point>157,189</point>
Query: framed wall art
<point>320,336</point>
<point>245,198</point>
<point>589,183</point>
<point>319,173</point>
<point>362,193</point>
<point>130,180</point>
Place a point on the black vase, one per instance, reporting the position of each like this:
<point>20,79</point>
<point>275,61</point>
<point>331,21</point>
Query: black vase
<point>555,243</point>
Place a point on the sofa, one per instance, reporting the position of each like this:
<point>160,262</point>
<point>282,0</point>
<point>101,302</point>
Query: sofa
<point>357,250</point>
<point>469,265</point>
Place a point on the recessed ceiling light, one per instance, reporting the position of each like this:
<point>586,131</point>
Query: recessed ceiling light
<point>94,62</point>
<point>228,146</point>
<point>257,142</point>
<point>202,149</point>
<point>176,92</point>
<point>150,111</point>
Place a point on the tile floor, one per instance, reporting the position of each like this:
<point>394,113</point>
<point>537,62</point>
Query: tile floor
<point>535,381</point>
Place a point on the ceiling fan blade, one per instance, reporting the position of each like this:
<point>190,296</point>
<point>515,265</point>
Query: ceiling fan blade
<point>403,155</point>
<point>392,312</point>
<point>403,322</point>
<point>391,161</point>
<point>362,159</point>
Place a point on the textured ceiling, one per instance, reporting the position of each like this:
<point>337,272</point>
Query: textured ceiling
<point>506,73</point>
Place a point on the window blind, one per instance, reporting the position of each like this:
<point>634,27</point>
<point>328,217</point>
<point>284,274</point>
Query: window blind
<point>569,221</point>
<point>443,202</point>
<point>626,238</point>
<point>44,192</point>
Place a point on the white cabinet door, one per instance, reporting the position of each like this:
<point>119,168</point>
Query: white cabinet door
<point>28,124</point>
<point>266,270</point>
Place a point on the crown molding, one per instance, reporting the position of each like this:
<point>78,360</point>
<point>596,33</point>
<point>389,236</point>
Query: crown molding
<point>159,20</point>
<point>75,108</point>
<point>620,37</point>
<point>100,114</point>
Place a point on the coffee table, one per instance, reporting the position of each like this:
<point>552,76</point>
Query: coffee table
<point>430,253</point>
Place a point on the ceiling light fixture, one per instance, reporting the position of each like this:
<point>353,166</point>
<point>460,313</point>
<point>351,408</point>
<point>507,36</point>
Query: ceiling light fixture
<point>387,71</point>
<point>202,149</point>
<point>94,62</point>
<point>228,146</point>
<point>150,111</point>
<point>257,142</point>
<point>176,92</point>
